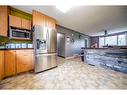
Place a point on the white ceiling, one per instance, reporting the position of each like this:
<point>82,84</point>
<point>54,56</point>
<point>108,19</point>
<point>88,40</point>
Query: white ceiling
<point>89,20</point>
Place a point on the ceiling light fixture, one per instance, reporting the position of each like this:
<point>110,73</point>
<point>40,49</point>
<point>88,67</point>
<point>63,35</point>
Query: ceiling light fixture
<point>63,8</point>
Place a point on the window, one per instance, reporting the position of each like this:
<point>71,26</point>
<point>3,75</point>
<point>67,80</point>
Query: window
<point>111,40</point>
<point>122,39</point>
<point>118,40</point>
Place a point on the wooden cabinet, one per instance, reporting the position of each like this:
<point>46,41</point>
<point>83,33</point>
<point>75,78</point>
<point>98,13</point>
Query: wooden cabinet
<point>43,20</point>
<point>26,24</point>
<point>1,64</point>
<point>38,18</point>
<point>19,22</point>
<point>24,60</point>
<point>10,63</point>
<point>4,20</point>
<point>15,21</point>
<point>17,61</point>
<point>50,22</point>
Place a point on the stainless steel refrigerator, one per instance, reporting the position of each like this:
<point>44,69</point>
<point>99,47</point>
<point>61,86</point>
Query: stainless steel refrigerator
<point>45,40</point>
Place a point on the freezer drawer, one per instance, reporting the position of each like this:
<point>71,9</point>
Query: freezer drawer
<point>45,62</point>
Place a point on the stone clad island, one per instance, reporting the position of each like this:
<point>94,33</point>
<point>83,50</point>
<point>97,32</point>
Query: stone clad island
<point>110,58</point>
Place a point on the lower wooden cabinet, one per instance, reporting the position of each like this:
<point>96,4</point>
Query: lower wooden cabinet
<point>16,61</point>
<point>10,63</point>
<point>24,60</point>
<point>1,64</point>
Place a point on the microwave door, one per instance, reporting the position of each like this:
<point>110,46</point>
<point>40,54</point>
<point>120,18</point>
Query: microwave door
<point>18,33</point>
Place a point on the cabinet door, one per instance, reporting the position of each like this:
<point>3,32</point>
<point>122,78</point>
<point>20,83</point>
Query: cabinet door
<point>24,65</point>
<point>1,64</point>
<point>43,20</point>
<point>10,63</point>
<point>3,20</point>
<point>26,24</point>
<point>15,21</point>
<point>50,22</point>
<point>38,18</point>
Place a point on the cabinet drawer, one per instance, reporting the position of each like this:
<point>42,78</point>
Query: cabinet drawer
<point>25,51</point>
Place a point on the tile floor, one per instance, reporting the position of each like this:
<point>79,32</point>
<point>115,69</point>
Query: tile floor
<point>70,74</point>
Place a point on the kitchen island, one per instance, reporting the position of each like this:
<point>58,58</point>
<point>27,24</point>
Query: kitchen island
<point>112,58</point>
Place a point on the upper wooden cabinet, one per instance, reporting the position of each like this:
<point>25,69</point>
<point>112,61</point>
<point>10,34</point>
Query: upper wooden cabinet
<point>10,63</point>
<point>1,64</point>
<point>26,24</point>
<point>43,20</point>
<point>19,22</point>
<point>4,11</point>
<point>15,21</point>
<point>50,22</point>
<point>38,18</point>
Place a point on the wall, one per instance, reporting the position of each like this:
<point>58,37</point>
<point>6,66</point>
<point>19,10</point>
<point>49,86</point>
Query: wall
<point>77,40</point>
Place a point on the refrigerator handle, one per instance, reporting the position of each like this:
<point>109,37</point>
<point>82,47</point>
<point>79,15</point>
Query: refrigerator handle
<point>33,28</point>
<point>47,38</point>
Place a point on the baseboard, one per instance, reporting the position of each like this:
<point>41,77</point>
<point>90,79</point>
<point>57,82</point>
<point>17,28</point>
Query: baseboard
<point>60,56</point>
<point>74,56</point>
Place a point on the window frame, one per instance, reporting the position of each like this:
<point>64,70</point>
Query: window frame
<point>117,34</point>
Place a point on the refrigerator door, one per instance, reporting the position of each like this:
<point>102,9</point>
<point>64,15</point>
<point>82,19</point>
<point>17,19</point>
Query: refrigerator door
<point>40,39</point>
<point>45,62</point>
<point>52,41</point>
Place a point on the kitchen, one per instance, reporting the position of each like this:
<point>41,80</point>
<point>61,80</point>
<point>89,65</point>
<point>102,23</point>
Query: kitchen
<point>43,60</point>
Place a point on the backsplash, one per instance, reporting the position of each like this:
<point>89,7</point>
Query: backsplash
<point>16,45</point>
<point>6,43</point>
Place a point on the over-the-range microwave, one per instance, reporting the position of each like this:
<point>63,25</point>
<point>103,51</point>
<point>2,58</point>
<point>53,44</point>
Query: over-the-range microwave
<point>20,34</point>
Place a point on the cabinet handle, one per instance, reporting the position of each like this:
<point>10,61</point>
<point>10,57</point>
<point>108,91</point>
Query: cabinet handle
<point>25,55</point>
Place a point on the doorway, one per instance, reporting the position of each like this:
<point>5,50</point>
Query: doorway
<point>61,44</point>
<point>86,43</point>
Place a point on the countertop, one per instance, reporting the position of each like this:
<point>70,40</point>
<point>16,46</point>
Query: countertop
<point>15,48</point>
<point>106,48</point>
<point>114,52</point>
